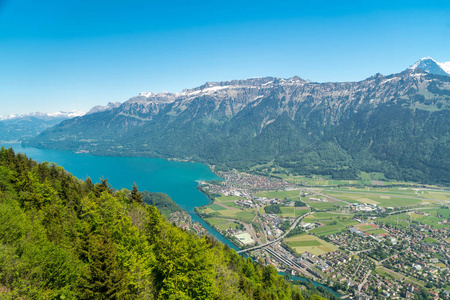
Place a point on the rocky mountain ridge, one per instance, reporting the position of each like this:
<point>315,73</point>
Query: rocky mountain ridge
<point>304,126</point>
<point>100,108</point>
<point>232,96</point>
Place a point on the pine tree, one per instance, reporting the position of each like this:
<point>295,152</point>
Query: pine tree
<point>99,188</point>
<point>135,195</point>
<point>88,185</point>
<point>103,278</point>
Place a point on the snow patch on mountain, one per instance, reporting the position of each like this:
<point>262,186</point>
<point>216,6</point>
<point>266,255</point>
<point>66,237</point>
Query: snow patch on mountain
<point>146,94</point>
<point>445,66</point>
<point>41,115</point>
<point>432,66</point>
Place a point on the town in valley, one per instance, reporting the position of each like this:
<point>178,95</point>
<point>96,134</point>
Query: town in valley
<point>363,239</point>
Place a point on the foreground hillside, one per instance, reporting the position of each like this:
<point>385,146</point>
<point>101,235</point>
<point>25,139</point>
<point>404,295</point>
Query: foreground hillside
<point>62,238</point>
<point>397,125</point>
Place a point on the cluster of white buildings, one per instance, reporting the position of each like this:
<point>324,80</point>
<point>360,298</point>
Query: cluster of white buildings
<point>364,207</point>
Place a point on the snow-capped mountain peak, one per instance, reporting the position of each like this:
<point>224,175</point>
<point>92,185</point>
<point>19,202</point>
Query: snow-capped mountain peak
<point>41,115</point>
<point>146,94</point>
<point>432,66</point>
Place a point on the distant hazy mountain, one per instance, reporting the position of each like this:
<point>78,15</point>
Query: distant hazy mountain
<point>397,124</point>
<point>431,66</point>
<point>15,128</point>
<point>100,108</point>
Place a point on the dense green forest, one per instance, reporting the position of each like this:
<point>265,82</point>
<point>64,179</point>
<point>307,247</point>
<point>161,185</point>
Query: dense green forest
<point>63,238</point>
<point>162,201</point>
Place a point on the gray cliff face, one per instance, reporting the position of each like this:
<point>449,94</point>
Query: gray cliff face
<point>99,108</point>
<point>224,100</point>
<point>227,99</point>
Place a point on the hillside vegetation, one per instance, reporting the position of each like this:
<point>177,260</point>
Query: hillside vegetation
<point>63,238</point>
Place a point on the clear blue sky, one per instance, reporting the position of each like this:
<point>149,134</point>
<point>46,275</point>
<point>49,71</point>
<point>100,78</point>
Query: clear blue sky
<point>71,54</point>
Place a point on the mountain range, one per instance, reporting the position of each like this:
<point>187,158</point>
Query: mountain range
<point>15,128</point>
<point>397,125</point>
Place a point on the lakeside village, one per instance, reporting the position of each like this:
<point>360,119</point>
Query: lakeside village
<point>184,221</point>
<point>360,250</point>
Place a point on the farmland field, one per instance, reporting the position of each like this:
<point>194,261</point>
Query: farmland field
<point>246,216</point>
<point>292,195</point>
<point>207,210</point>
<point>444,212</point>
<point>216,207</point>
<point>227,198</point>
<point>327,216</point>
<point>405,219</point>
<point>389,196</point>
<point>288,211</point>
<point>305,243</point>
<point>327,230</point>
<point>334,222</point>
<point>400,219</point>
<point>428,220</point>
<point>379,198</point>
<point>237,213</point>
<point>323,205</point>
<point>317,180</point>
<point>377,231</point>
<point>330,228</point>
<point>366,227</point>
<point>222,224</point>
<point>230,204</point>
<point>310,243</point>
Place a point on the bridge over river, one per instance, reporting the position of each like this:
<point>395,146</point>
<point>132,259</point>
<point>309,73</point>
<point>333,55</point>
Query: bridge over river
<point>278,239</point>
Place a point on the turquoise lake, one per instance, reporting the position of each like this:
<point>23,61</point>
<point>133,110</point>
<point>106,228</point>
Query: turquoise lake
<point>177,179</point>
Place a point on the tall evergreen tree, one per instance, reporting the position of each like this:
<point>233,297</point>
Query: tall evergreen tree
<point>135,195</point>
<point>88,185</point>
<point>101,187</point>
<point>103,279</point>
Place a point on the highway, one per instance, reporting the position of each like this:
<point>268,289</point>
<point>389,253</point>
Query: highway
<point>278,239</point>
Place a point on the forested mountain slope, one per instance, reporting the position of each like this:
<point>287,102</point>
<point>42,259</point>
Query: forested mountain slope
<point>62,238</point>
<point>397,124</point>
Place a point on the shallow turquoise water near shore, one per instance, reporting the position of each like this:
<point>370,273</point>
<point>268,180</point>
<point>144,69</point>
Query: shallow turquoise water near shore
<point>177,179</point>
